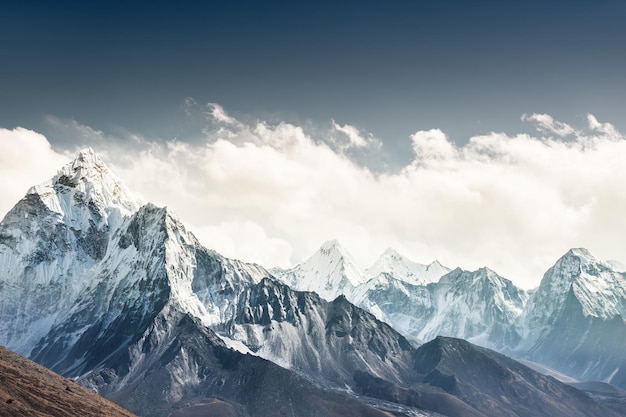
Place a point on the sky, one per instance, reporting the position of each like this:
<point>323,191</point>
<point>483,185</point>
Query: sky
<point>475,133</point>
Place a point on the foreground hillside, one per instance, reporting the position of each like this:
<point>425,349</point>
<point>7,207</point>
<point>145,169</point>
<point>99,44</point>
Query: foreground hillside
<point>28,389</point>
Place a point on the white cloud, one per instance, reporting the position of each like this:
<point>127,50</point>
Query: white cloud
<point>607,130</point>
<point>545,123</point>
<point>26,159</point>
<point>432,145</point>
<point>218,113</point>
<point>272,194</point>
<point>356,138</point>
<point>245,240</point>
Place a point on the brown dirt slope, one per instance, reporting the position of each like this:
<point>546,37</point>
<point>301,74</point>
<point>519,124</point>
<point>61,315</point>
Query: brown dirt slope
<point>28,389</point>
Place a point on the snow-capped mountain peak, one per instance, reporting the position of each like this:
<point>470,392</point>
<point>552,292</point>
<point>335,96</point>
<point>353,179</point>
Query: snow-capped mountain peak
<point>597,287</point>
<point>582,254</point>
<point>85,191</point>
<point>330,272</point>
<point>334,261</point>
<point>393,263</point>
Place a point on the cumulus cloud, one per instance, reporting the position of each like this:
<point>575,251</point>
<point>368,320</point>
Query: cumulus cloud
<point>218,114</point>
<point>26,159</point>
<point>545,123</point>
<point>272,193</point>
<point>356,138</point>
<point>607,130</point>
<point>432,145</point>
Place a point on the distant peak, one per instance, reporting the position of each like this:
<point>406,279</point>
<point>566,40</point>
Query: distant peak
<point>330,244</point>
<point>88,159</point>
<point>487,271</point>
<point>333,247</point>
<point>83,181</point>
<point>391,253</point>
<point>332,262</point>
<point>436,263</point>
<point>87,153</point>
<point>332,251</point>
<point>580,253</point>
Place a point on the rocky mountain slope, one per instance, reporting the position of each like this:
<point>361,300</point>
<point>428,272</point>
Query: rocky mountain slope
<point>28,389</point>
<point>574,322</point>
<point>421,301</point>
<point>124,298</point>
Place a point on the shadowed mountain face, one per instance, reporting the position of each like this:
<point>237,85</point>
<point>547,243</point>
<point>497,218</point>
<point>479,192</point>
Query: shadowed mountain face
<point>606,394</point>
<point>304,332</point>
<point>190,364</point>
<point>461,379</point>
<point>28,389</point>
<point>574,322</point>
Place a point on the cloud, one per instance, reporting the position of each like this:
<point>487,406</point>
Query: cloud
<point>272,193</point>
<point>545,123</point>
<point>432,145</point>
<point>355,137</point>
<point>26,159</point>
<point>607,130</point>
<point>218,114</point>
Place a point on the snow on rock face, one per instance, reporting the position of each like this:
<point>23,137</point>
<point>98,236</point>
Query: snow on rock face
<point>145,281</point>
<point>421,301</point>
<point>403,269</point>
<point>331,271</point>
<point>404,306</point>
<point>51,243</point>
<point>81,239</point>
<point>479,306</point>
<point>574,321</point>
<point>597,286</point>
<point>302,331</point>
<point>86,194</point>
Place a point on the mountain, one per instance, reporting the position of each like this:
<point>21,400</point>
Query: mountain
<point>574,322</point>
<point>457,378</point>
<point>392,289</point>
<point>606,394</point>
<point>127,301</point>
<point>28,389</point>
<point>50,243</point>
<point>330,272</point>
<point>480,306</point>
<point>405,270</point>
<point>302,331</point>
<point>187,370</point>
<point>421,301</point>
<point>404,306</point>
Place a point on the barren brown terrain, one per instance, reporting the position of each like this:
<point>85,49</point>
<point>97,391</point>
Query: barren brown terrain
<point>28,389</point>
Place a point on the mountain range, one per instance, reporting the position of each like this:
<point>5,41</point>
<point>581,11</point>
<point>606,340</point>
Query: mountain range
<point>573,322</point>
<point>121,297</point>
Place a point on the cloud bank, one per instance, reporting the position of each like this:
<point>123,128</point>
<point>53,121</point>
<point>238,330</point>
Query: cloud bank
<point>272,193</point>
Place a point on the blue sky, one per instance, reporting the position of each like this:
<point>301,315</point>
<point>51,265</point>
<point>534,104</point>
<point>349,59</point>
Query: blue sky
<point>390,68</point>
<point>478,133</point>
